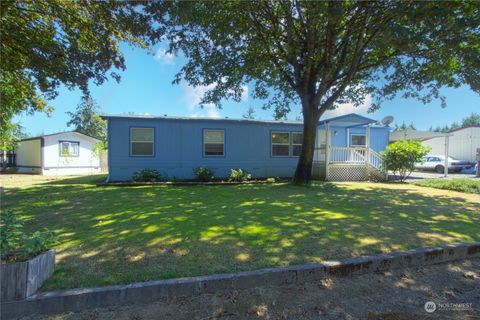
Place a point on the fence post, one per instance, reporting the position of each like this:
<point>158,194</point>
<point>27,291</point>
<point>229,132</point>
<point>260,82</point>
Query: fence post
<point>327,150</point>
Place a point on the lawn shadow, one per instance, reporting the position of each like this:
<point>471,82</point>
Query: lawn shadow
<point>118,235</point>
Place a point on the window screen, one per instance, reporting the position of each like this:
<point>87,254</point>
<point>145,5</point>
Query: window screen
<point>142,141</point>
<point>213,142</point>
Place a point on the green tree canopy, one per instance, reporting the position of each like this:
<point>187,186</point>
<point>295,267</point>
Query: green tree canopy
<point>52,42</point>
<point>86,119</point>
<point>323,54</point>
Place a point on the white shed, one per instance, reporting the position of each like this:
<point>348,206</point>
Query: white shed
<point>57,154</point>
<point>463,143</point>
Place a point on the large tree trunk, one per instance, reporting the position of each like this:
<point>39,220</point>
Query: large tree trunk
<point>303,173</point>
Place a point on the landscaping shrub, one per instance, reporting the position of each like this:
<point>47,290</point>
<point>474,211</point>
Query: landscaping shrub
<point>147,175</point>
<point>16,245</point>
<point>204,174</point>
<point>239,175</point>
<point>462,184</point>
<point>401,156</point>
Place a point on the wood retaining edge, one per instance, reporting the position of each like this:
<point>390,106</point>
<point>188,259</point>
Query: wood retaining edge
<point>89,298</point>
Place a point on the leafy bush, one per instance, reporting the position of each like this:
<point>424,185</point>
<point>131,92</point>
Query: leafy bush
<point>147,175</point>
<point>239,175</point>
<point>16,245</point>
<point>204,174</point>
<point>401,156</point>
<point>462,184</point>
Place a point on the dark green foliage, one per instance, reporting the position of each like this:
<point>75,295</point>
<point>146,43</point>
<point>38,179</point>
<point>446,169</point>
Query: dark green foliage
<point>147,175</point>
<point>16,245</point>
<point>86,119</point>
<point>321,54</point>
<point>239,175</point>
<point>204,174</point>
<point>461,184</point>
<point>52,42</point>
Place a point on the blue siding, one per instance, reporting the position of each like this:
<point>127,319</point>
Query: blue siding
<point>179,147</point>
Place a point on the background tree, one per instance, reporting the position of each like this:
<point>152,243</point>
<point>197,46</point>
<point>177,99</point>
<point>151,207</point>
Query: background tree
<point>323,54</point>
<point>404,127</point>
<point>52,42</point>
<point>472,120</point>
<point>86,119</point>
<point>10,134</point>
<point>250,114</point>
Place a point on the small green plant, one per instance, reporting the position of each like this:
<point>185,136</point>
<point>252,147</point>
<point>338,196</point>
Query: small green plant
<point>11,234</point>
<point>271,180</point>
<point>401,156</point>
<point>147,175</point>
<point>16,245</point>
<point>239,175</point>
<point>204,174</point>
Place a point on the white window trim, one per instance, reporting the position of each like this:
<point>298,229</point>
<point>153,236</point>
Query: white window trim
<point>132,142</point>
<point>69,144</point>
<point>296,144</point>
<point>214,155</point>
<point>358,145</point>
<point>281,144</point>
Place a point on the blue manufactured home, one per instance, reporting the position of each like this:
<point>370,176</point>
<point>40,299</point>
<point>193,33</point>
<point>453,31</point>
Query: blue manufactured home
<point>175,146</point>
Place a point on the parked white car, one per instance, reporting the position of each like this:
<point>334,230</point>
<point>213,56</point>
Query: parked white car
<point>437,163</point>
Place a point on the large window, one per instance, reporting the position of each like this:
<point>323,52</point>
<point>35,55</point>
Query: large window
<point>297,138</point>
<point>280,144</point>
<point>142,142</point>
<point>358,140</point>
<point>213,143</point>
<point>69,148</point>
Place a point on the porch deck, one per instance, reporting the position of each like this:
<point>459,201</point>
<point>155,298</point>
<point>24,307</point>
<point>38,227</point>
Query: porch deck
<point>348,164</point>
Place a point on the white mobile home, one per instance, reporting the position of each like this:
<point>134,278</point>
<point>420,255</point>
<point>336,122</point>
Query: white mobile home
<point>463,143</point>
<point>57,154</point>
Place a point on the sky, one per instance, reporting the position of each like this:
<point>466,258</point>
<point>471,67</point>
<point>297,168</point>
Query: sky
<point>146,88</point>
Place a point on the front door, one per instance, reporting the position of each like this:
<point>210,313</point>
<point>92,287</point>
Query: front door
<point>320,146</point>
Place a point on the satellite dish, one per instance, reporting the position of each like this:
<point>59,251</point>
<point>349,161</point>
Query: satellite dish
<point>387,120</point>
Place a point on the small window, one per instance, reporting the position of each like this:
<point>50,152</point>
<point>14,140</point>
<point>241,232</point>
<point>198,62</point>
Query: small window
<point>142,141</point>
<point>358,140</point>
<point>280,144</point>
<point>69,148</point>
<point>297,139</point>
<point>213,143</point>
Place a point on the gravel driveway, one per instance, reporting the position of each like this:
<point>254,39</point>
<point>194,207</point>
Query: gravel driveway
<point>419,175</point>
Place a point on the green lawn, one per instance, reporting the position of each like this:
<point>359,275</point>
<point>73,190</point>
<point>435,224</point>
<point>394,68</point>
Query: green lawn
<point>113,235</point>
<point>460,184</point>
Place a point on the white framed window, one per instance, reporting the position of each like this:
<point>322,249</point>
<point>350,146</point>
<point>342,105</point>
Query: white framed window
<point>280,144</point>
<point>142,142</point>
<point>69,148</point>
<point>297,139</point>
<point>358,140</point>
<point>213,142</point>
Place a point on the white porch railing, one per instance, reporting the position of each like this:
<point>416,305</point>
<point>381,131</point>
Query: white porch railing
<point>347,154</point>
